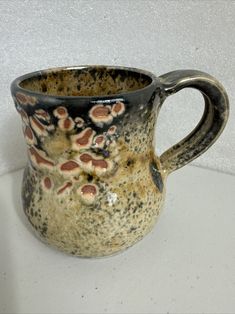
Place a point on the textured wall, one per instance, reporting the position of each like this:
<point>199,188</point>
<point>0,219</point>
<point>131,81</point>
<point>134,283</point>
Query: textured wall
<point>159,36</point>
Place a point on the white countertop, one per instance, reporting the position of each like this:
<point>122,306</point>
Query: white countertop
<point>186,265</point>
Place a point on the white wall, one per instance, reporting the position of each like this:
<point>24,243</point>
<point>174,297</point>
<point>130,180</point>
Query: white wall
<point>159,36</point>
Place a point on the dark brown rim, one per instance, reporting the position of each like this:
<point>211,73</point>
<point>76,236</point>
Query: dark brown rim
<point>15,85</point>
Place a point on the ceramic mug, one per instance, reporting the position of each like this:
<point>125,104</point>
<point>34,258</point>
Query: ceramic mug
<point>93,185</point>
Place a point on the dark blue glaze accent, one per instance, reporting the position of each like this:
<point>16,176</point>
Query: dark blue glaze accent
<point>156,175</point>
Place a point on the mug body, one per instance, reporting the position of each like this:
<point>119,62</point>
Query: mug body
<point>93,185</point>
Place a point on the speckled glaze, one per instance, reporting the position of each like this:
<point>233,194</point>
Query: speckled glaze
<point>93,185</point>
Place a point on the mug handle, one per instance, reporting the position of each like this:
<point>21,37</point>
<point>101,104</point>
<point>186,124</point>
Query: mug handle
<point>209,127</point>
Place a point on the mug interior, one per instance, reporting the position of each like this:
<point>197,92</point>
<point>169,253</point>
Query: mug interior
<point>86,81</point>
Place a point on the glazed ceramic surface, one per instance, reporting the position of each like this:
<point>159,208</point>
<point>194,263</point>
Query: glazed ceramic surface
<point>93,185</point>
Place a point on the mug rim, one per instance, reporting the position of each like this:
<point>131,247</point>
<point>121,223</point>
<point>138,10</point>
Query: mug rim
<point>15,85</point>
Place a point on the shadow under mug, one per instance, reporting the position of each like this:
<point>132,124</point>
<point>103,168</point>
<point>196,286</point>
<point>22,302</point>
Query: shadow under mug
<point>93,185</point>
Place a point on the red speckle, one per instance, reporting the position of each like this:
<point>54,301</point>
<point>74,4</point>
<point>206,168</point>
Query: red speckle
<point>100,111</point>
<point>64,187</point>
<point>21,98</point>
<point>23,114</point>
<point>99,139</point>
<point>28,133</point>
<point>61,111</point>
<point>85,157</point>
<point>38,124</point>
<point>100,163</point>
<point>67,123</point>
<point>84,140</point>
<point>69,165</point>
<point>79,121</point>
<point>100,114</point>
<point>39,158</point>
<point>31,100</point>
<point>24,99</point>
<point>117,107</point>
<point>112,129</point>
<point>42,114</point>
<point>48,183</point>
<point>89,189</point>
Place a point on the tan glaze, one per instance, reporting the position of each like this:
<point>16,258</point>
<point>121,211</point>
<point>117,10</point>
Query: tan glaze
<point>93,185</point>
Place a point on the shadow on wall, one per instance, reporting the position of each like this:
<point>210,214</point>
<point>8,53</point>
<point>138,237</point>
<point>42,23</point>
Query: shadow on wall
<point>8,284</point>
<point>8,277</point>
<point>13,154</point>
